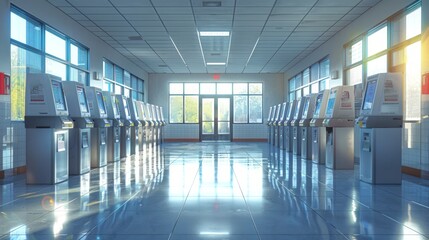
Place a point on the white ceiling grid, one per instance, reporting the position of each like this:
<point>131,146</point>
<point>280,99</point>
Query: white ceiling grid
<point>266,36</point>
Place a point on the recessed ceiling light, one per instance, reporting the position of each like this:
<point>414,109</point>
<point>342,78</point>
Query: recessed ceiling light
<point>135,38</point>
<point>214,34</point>
<point>215,64</point>
<point>212,3</point>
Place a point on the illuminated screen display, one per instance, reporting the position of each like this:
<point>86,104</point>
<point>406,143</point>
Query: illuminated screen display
<point>369,95</point>
<point>127,110</point>
<point>57,90</point>
<point>306,106</point>
<point>100,101</point>
<point>331,104</point>
<point>297,109</point>
<point>318,104</point>
<point>82,99</point>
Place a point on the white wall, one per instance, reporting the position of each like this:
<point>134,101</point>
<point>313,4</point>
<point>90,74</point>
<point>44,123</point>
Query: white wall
<point>272,94</point>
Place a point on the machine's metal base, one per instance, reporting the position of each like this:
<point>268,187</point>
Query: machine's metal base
<point>99,147</point>
<point>306,143</point>
<point>47,154</point>
<point>318,144</point>
<point>297,140</point>
<point>340,148</point>
<point>80,151</point>
<point>381,155</point>
<point>113,144</point>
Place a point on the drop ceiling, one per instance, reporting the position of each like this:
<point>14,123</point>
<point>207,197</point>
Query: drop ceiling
<point>266,36</point>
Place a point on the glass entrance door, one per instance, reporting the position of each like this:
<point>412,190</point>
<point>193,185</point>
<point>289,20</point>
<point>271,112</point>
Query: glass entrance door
<point>215,116</point>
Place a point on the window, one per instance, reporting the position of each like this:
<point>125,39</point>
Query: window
<point>311,80</point>
<point>377,41</point>
<point>184,100</point>
<point>38,48</point>
<point>120,81</point>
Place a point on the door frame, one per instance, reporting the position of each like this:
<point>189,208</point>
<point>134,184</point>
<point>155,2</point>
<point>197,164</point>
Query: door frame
<point>200,117</point>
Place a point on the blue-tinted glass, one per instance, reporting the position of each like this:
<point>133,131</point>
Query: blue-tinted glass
<point>119,75</point>
<point>26,31</point>
<point>108,70</point>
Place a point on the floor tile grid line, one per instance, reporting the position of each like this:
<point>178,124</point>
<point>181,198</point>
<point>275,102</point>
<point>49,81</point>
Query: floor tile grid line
<point>41,190</point>
<point>183,205</point>
<point>247,205</point>
<point>76,199</point>
<point>309,207</point>
<point>377,211</point>
<point>122,204</point>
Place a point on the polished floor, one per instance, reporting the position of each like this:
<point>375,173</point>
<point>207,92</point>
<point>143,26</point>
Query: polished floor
<point>214,191</point>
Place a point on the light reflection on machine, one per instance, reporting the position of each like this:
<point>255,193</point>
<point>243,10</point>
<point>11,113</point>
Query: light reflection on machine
<point>124,112</point>
<point>288,131</point>
<point>98,108</point>
<point>296,145</point>
<point>114,132</point>
<point>80,135</point>
<point>137,129</point>
<point>276,126</point>
<point>318,131</point>
<point>47,124</point>
<point>269,125</point>
<point>285,110</point>
<point>339,123</point>
<point>380,125</point>
<point>304,124</point>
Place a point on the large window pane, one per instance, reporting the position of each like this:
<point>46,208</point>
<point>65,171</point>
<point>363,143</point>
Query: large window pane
<point>127,79</point>
<point>118,89</point>
<point>192,88</point>
<point>412,82</point>
<point>207,88</point>
<point>56,68</point>
<point>55,45</point>
<point>378,65</point>
<point>314,74</point>
<point>22,62</point>
<point>298,81</point>
<point>140,85</point>
<point>315,87</point>
<point>240,109</point>
<point>305,76</point>
<point>292,96</point>
<point>119,75</point>
<point>176,109</point>
<point>255,109</point>
<point>127,92</point>
<point>191,109</point>
<point>176,88</point>
<point>108,86</point>
<point>108,70</point>
<point>240,88</point>
<point>414,23</point>
<point>255,88</point>
<point>354,75</point>
<point>377,41</point>
<point>25,31</point>
<point>323,85</point>
<point>306,91</point>
<point>79,56</point>
<point>354,53</point>
<point>324,68</point>
<point>134,83</point>
<point>78,75</point>
<point>224,88</point>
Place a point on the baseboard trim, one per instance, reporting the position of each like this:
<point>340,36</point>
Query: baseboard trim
<point>13,171</point>
<point>250,140</point>
<point>411,171</point>
<point>181,140</point>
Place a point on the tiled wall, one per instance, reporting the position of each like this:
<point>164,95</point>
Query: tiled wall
<point>6,136</point>
<point>411,145</point>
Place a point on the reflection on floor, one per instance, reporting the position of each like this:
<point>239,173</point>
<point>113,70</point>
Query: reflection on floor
<point>214,191</point>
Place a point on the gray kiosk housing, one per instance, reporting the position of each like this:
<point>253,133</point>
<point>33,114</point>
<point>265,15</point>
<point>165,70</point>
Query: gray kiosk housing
<point>114,132</point>
<point>124,113</point>
<point>285,109</point>
<point>380,124</point>
<point>137,129</point>
<point>276,125</point>
<point>269,125</point>
<point>295,126</point>
<point>318,131</point>
<point>80,135</point>
<point>98,107</point>
<point>339,123</point>
<point>47,130</point>
<point>288,129</point>
<point>304,124</point>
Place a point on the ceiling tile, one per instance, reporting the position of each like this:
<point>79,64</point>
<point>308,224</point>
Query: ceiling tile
<point>97,10</point>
